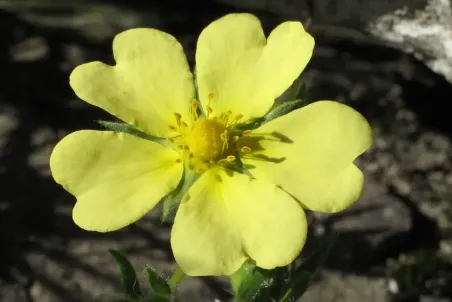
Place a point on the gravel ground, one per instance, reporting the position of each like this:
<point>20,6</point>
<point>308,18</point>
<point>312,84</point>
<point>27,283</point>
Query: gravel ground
<point>46,258</point>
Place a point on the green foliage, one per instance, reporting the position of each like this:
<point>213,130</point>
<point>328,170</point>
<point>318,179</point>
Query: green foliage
<point>128,276</point>
<point>253,284</point>
<point>159,289</point>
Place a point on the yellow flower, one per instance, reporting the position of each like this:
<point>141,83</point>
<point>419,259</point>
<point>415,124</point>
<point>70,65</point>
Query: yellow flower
<point>301,160</point>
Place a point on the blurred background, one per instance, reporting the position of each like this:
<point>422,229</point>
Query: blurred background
<point>391,61</point>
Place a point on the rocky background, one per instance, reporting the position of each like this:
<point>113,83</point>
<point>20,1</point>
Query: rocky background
<point>391,60</point>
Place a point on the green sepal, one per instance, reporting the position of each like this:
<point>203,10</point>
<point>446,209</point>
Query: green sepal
<point>128,276</point>
<point>159,288</point>
<point>293,98</point>
<point>129,129</point>
<point>302,276</point>
<point>172,201</point>
<point>295,91</point>
<point>253,284</point>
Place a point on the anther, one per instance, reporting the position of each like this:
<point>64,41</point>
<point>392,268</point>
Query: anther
<point>199,170</point>
<point>178,118</point>
<point>194,108</point>
<point>209,110</point>
<point>181,147</point>
<point>238,117</point>
<point>230,158</point>
<point>210,97</point>
<point>190,155</point>
<point>246,133</point>
<point>170,139</point>
<point>172,128</point>
<point>245,149</point>
<point>178,160</point>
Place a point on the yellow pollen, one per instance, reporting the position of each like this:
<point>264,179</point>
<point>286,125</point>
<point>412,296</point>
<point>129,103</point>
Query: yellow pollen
<point>206,139</point>
<point>230,158</point>
<point>245,149</point>
<point>238,117</point>
<point>193,109</point>
<point>246,133</point>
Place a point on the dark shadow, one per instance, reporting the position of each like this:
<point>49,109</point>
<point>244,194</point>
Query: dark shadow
<point>35,98</point>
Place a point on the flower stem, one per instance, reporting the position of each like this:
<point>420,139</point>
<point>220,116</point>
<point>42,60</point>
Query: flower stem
<point>176,278</point>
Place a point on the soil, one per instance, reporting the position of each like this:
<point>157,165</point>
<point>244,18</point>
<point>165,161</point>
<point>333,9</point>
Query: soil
<point>46,258</point>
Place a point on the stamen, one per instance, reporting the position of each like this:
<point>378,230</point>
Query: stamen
<point>208,108</point>
<point>245,149</point>
<point>178,160</point>
<point>238,117</point>
<point>178,118</point>
<point>230,158</point>
<point>172,128</point>
<point>194,109</point>
<point>191,155</point>
<point>170,139</point>
<point>246,133</point>
<point>182,147</point>
<point>224,137</point>
<point>199,170</point>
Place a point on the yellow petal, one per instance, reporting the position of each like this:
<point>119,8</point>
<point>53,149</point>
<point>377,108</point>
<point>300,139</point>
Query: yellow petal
<point>244,71</point>
<point>116,178</point>
<point>150,81</point>
<point>310,152</point>
<point>227,216</point>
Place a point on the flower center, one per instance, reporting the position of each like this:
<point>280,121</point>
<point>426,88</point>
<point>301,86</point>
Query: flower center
<point>206,139</point>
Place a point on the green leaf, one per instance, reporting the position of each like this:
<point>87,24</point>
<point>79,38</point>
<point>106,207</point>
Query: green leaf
<point>160,289</point>
<point>305,273</point>
<point>128,276</point>
<point>126,128</point>
<point>252,284</point>
<point>172,200</point>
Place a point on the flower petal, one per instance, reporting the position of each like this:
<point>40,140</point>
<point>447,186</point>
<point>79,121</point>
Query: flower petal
<point>116,178</point>
<point>150,81</point>
<point>226,217</point>
<point>309,153</point>
<point>244,71</point>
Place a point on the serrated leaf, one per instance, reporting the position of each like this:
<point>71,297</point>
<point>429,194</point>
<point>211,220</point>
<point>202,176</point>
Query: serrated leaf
<point>128,276</point>
<point>304,274</point>
<point>129,129</point>
<point>172,200</point>
<point>158,285</point>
